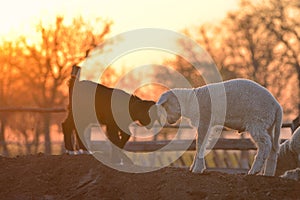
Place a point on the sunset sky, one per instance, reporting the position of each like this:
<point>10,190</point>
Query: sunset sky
<point>20,16</point>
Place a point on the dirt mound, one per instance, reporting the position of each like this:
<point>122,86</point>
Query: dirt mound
<point>83,177</point>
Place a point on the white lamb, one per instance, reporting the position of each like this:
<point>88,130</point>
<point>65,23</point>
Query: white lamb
<point>289,154</point>
<point>250,107</point>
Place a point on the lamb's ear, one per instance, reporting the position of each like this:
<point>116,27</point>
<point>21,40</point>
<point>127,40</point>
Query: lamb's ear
<point>163,99</point>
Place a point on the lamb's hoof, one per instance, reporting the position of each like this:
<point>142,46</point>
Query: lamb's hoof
<point>253,172</point>
<point>269,174</point>
<point>85,152</point>
<point>197,170</point>
<point>198,167</point>
<point>68,152</point>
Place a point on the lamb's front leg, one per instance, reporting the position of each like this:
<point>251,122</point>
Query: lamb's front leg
<point>198,165</point>
<point>113,136</point>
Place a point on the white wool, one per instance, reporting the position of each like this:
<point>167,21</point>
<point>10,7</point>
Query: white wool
<point>295,141</point>
<point>184,96</point>
<point>289,154</point>
<point>249,107</point>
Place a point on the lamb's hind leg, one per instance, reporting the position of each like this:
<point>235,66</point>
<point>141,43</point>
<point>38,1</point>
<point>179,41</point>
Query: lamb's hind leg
<point>264,145</point>
<point>271,163</point>
<point>198,165</point>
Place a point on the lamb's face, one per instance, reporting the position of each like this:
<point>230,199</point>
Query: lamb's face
<point>143,112</point>
<point>169,103</point>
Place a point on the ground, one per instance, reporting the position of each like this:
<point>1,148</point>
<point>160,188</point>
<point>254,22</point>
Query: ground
<point>84,177</point>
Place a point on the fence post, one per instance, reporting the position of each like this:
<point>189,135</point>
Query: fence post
<point>75,75</point>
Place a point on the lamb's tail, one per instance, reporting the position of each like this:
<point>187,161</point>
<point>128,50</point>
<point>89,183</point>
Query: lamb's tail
<point>277,129</point>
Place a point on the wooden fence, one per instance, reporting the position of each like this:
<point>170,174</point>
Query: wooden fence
<point>241,146</point>
<point>227,155</point>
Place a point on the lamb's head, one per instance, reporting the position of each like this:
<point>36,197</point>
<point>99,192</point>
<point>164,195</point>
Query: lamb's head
<point>168,107</point>
<point>143,111</point>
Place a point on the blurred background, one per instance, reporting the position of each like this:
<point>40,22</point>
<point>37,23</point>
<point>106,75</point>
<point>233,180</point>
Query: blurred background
<point>40,41</point>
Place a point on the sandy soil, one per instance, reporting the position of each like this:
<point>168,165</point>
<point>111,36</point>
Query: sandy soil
<point>83,177</point>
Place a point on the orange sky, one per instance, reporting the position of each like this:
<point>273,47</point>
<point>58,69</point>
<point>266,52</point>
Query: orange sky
<point>20,16</point>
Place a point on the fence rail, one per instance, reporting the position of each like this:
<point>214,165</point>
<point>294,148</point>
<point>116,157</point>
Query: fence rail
<point>290,125</point>
<point>58,110</point>
<point>180,145</point>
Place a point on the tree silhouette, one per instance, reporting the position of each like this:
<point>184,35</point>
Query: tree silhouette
<point>49,61</point>
<point>7,76</point>
<point>258,41</point>
<point>280,18</point>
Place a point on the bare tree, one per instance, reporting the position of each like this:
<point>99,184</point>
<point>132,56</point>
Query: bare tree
<point>49,61</point>
<point>211,38</point>
<point>9,82</point>
<point>259,41</point>
<point>281,20</point>
<point>263,44</point>
<point>199,67</point>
